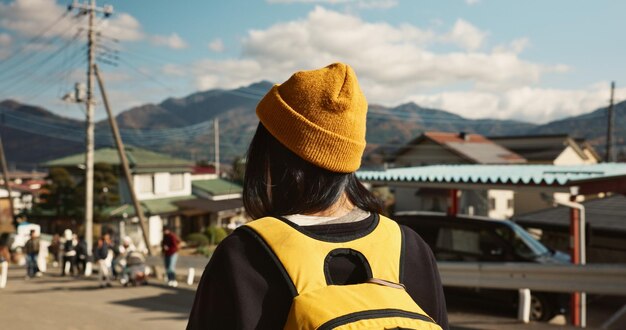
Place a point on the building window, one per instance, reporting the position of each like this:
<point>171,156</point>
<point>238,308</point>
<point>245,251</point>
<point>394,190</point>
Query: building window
<point>509,203</point>
<point>145,183</point>
<point>492,203</point>
<point>177,181</point>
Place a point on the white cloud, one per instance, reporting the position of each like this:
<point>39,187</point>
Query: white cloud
<point>173,70</point>
<point>29,18</point>
<point>5,39</point>
<point>216,45</point>
<point>364,4</point>
<point>516,46</point>
<point>123,27</point>
<point>392,61</point>
<point>173,41</point>
<point>5,45</point>
<point>465,35</point>
<point>472,2</point>
<point>530,104</point>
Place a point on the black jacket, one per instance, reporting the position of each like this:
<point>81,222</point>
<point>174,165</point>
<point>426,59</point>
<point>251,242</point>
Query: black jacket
<point>242,288</point>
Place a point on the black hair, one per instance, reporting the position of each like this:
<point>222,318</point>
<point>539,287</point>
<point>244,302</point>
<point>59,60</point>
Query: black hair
<point>278,182</point>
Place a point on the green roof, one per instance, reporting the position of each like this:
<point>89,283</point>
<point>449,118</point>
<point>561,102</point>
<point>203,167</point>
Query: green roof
<point>151,206</point>
<point>139,159</point>
<point>217,187</point>
<point>590,178</point>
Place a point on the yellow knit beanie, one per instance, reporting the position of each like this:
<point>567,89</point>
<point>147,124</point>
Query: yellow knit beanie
<point>320,116</point>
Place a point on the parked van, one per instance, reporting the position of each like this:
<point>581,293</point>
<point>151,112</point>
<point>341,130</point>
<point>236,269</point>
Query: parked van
<point>481,239</point>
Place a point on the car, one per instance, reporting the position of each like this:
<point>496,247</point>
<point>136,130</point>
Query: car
<point>480,239</point>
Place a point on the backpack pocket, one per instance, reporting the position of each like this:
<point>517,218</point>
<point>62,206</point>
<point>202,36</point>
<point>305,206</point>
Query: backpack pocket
<point>357,306</point>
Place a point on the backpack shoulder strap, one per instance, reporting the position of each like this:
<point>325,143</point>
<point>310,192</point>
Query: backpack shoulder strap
<point>303,256</point>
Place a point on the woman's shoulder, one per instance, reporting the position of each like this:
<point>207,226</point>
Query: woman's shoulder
<point>239,246</point>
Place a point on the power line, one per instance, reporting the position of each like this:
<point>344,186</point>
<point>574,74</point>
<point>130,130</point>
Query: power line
<point>25,59</point>
<point>35,38</point>
<point>21,74</point>
<point>150,77</point>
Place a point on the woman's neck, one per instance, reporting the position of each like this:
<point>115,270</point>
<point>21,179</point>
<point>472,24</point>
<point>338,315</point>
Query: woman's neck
<point>342,207</point>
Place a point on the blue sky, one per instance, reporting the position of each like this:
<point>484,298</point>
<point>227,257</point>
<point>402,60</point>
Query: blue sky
<point>530,60</point>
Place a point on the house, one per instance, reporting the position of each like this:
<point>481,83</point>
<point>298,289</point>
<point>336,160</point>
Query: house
<point>606,228</point>
<point>218,203</point>
<point>556,149</point>
<point>167,191</point>
<point>26,188</point>
<point>433,148</point>
<point>203,172</point>
<point>158,181</point>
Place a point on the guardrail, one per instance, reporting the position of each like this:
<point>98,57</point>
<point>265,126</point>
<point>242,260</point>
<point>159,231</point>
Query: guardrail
<point>590,278</point>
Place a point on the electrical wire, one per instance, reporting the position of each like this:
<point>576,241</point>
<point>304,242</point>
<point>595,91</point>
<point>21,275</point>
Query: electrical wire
<point>31,69</point>
<point>35,38</point>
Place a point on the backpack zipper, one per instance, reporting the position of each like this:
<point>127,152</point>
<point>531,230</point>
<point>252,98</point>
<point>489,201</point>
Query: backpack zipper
<point>372,314</point>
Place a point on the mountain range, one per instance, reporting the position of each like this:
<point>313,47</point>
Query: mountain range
<point>183,127</point>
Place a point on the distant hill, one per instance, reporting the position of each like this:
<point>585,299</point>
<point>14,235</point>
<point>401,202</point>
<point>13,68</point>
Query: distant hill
<point>21,127</point>
<point>593,127</point>
<point>183,127</point>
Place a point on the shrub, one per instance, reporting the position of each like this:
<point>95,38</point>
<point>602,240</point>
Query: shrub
<point>197,239</point>
<point>206,250</point>
<point>216,234</point>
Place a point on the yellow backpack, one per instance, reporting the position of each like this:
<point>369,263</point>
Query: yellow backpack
<point>380,303</point>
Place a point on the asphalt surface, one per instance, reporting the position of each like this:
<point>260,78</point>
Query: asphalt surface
<point>55,302</point>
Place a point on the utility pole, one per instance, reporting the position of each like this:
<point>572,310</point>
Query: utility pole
<point>609,130</point>
<point>126,169</point>
<point>90,9</point>
<point>216,129</point>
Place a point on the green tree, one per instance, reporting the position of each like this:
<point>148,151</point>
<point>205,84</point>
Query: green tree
<point>105,189</point>
<point>61,195</point>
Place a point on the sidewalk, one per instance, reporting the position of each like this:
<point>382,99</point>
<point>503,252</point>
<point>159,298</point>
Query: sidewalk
<point>69,303</point>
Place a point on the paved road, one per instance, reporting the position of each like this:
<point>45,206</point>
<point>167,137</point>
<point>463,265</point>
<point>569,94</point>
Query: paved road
<point>53,302</point>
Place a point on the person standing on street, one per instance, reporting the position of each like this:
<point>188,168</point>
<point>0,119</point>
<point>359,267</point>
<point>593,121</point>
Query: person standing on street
<point>81,255</point>
<point>69,252</point>
<point>31,249</point>
<point>170,246</point>
<point>100,254</point>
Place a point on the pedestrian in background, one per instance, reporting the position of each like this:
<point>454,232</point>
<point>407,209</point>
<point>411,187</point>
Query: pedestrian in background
<point>54,249</point>
<point>31,250</point>
<point>170,247</point>
<point>69,252</point>
<point>101,255</point>
<point>81,255</point>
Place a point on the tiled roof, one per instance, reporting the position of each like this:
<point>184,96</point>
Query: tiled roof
<point>472,147</point>
<point>544,148</point>
<point>217,187</point>
<point>152,206</point>
<point>202,205</point>
<point>523,174</point>
<point>604,213</point>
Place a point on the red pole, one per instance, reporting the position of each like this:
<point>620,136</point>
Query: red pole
<point>575,256</point>
<point>453,208</point>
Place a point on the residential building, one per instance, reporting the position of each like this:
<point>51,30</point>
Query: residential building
<point>158,180</point>
<point>556,149</point>
<point>432,148</point>
<point>167,193</point>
